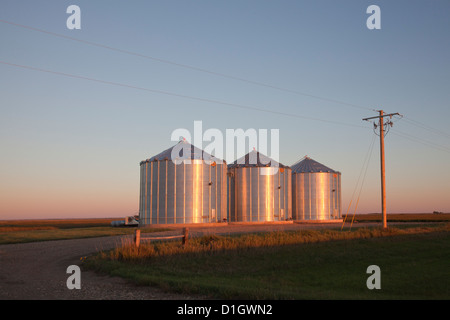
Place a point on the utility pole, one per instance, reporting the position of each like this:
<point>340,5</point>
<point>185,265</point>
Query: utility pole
<point>383,180</point>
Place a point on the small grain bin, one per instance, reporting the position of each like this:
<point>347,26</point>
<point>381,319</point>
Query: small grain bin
<point>181,185</point>
<point>259,189</point>
<point>316,191</point>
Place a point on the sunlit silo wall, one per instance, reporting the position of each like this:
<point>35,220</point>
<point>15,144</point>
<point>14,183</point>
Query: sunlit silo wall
<point>174,192</point>
<point>257,192</point>
<point>316,191</point>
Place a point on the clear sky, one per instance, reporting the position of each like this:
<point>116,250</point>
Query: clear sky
<point>71,147</point>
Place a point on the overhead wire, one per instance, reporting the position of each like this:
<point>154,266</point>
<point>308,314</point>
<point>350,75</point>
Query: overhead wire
<point>128,52</point>
<point>165,61</point>
<point>426,127</point>
<point>186,66</point>
<point>177,94</point>
<point>388,126</point>
<point>420,140</point>
<point>362,183</point>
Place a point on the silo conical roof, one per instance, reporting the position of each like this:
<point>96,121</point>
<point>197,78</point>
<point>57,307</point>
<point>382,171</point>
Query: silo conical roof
<point>256,159</point>
<point>178,151</point>
<point>309,165</point>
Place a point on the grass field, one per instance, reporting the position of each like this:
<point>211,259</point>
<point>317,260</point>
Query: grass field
<point>399,217</point>
<point>313,264</point>
<point>309,264</point>
<point>20,231</point>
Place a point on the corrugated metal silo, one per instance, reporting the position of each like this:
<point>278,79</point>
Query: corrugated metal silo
<point>174,191</point>
<point>258,192</point>
<point>316,191</point>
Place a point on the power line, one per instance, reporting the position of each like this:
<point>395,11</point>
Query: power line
<point>187,66</point>
<point>177,94</point>
<point>426,127</point>
<point>407,119</point>
<point>419,140</point>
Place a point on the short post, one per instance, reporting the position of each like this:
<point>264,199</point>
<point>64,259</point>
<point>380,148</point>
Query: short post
<point>137,237</point>
<point>185,236</point>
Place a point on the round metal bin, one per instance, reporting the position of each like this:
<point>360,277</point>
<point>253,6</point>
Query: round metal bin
<point>258,193</point>
<point>316,191</point>
<point>192,191</point>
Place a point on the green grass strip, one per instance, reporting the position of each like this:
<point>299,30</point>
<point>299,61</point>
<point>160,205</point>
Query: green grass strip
<point>313,264</point>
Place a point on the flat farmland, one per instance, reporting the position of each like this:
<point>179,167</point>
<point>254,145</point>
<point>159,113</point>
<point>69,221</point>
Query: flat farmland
<point>243,261</point>
<point>21,231</point>
<point>401,217</point>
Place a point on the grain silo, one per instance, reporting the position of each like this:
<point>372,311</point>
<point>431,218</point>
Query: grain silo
<point>316,191</point>
<point>259,189</point>
<point>181,185</point>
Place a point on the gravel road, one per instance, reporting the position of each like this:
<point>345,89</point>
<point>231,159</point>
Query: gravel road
<point>35,271</point>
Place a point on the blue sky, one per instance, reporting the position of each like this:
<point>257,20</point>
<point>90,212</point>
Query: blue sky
<point>71,147</point>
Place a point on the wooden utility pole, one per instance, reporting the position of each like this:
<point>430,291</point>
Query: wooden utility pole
<point>383,180</point>
<point>383,172</point>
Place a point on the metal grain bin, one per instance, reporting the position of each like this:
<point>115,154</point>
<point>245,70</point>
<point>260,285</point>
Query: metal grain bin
<point>187,188</point>
<point>316,191</point>
<point>258,192</point>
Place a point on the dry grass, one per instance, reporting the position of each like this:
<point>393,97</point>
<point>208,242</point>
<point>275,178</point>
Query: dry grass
<point>307,264</point>
<point>20,231</point>
<point>16,229</point>
<point>41,224</point>
<point>215,243</point>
